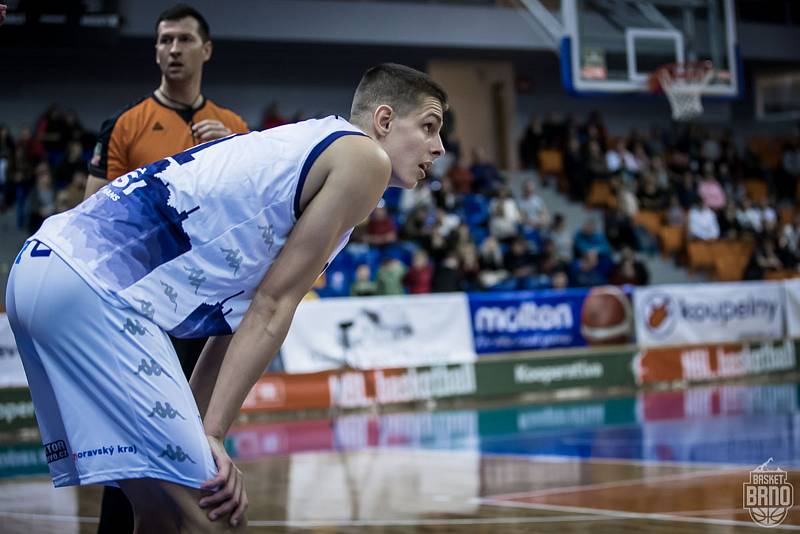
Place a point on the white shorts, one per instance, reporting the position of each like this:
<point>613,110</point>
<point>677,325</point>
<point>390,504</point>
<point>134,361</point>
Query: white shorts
<point>111,400</point>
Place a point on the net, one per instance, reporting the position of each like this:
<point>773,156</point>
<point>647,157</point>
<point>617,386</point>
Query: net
<point>683,84</point>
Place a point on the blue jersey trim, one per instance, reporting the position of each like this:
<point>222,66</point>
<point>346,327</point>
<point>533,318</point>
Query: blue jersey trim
<point>312,157</point>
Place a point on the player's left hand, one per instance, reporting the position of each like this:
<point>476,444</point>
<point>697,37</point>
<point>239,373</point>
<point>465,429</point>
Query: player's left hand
<point>209,129</point>
<point>229,495</point>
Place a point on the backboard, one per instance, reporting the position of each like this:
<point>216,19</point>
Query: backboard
<point>612,46</point>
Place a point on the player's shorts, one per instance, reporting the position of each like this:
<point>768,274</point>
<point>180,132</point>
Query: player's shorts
<point>108,391</point>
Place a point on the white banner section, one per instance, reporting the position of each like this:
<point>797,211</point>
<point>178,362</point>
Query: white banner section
<point>792,288</point>
<point>12,373</point>
<point>690,314</point>
<point>375,332</point>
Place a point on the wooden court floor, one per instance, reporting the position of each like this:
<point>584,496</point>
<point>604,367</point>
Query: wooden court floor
<point>656,462</point>
<point>400,491</point>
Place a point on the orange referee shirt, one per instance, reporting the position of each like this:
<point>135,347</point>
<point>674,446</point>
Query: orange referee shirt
<point>148,131</point>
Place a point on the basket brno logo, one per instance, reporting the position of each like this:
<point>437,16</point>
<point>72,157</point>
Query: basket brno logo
<point>768,496</point>
<point>661,314</point>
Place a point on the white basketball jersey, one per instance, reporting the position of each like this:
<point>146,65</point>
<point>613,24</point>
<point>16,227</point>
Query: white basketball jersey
<point>186,240</point>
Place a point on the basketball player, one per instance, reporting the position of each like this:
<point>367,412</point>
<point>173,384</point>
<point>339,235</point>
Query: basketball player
<point>172,118</point>
<point>225,237</point>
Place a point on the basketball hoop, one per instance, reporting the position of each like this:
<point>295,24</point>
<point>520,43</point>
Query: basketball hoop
<point>684,85</point>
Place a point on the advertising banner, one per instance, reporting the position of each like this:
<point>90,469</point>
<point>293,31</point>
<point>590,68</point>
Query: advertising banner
<point>533,320</point>
<point>11,372</point>
<point>353,388</point>
<point>508,377</point>
<point>378,332</point>
<point>792,288</point>
<point>697,314</point>
<point>710,362</point>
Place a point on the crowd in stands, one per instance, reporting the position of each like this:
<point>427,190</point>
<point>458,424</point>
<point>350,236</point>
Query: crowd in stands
<point>470,228</point>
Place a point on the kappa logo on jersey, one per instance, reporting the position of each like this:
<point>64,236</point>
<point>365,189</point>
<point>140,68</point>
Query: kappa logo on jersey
<point>196,277</point>
<point>135,328</point>
<point>147,308</point>
<point>55,450</point>
<point>233,257</point>
<point>165,411</point>
<point>157,127</point>
<point>171,294</point>
<point>268,235</point>
<point>176,454</point>
<point>151,369</point>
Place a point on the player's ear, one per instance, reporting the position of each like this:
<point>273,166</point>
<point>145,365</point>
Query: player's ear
<point>207,49</point>
<point>382,119</point>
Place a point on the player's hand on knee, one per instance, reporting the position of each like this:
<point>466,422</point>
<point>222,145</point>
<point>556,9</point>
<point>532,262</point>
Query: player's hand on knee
<point>228,491</point>
<point>210,129</point>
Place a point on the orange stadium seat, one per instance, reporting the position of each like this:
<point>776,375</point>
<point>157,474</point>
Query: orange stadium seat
<point>651,220</point>
<point>672,238</point>
<point>600,195</point>
<point>756,189</point>
<point>551,163</point>
<point>701,256</point>
<point>786,214</point>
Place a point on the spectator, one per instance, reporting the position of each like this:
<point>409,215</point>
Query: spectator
<point>791,235</point>
<point>72,195</point>
<point>363,285</point>
<point>729,227</point>
<point>381,229</point>
<point>686,191</point>
<point>676,216</point>
<point>577,170</point>
<point>660,172</point>
<point>73,161</point>
<point>446,221</point>
<point>272,117</point>
<point>703,223</point>
<point>589,237</point>
<point>504,218</point>
<point>620,159</point>
<point>493,269</point>
<point>470,267</point>
<point>762,260</point>
<point>596,162</point>
<point>790,170</point>
<point>710,191</point>
<point>651,195</point>
<point>461,178</point>
<point>419,276</point>
<point>520,262</point>
<point>531,143</point>
<point>444,195</point>
<point>561,238</point>
<point>419,196</point>
<point>41,202</point>
<point>586,271</point>
<point>750,217</point>
<point>769,217</point>
<point>629,270</point>
<point>446,277</point>
<point>418,225</point>
<point>559,280</point>
<point>486,175</point>
<point>620,230</point>
<point>533,210</point>
<point>390,277</point>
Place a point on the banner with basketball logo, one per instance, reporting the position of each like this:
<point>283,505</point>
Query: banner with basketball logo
<point>376,332</point>
<point>535,320</point>
<point>698,314</point>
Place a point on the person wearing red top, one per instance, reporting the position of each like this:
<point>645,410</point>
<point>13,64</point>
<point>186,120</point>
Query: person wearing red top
<point>419,276</point>
<point>381,229</point>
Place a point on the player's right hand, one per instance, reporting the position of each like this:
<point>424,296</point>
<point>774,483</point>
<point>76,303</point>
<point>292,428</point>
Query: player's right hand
<point>228,491</point>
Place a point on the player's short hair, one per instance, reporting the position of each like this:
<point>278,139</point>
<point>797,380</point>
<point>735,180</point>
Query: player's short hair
<point>395,85</point>
<point>180,11</point>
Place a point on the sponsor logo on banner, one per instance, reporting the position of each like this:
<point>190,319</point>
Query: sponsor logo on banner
<point>713,362</point>
<point>548,319</point>
<point>711,313</point>
<point>581,370</point>
<point>768,495</point>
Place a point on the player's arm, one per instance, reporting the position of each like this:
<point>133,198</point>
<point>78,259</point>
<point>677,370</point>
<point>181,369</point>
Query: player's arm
<point>205,372</point>
<point>359,173</point>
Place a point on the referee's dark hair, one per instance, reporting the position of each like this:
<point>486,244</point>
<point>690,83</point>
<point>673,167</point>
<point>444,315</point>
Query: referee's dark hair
<point>180,11</point>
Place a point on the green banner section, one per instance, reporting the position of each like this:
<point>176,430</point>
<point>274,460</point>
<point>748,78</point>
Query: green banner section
<point>522,419</point>
<point>522,375</point>
<point>16,409</point>
<point>22,459</point>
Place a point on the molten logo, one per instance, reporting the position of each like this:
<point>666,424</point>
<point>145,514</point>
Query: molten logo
<point>768,496</point>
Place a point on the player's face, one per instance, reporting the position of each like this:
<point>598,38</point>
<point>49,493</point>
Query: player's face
<point>180,51</point>
<point>413,143</point>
